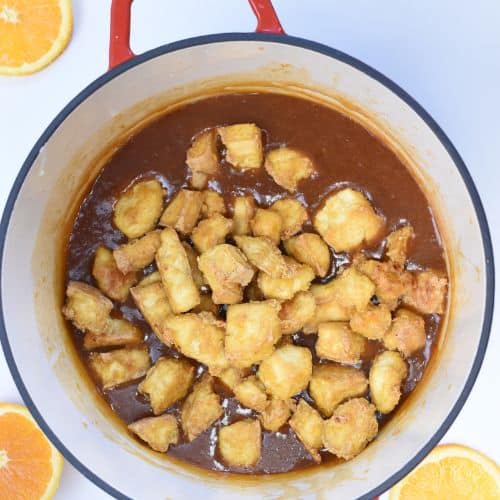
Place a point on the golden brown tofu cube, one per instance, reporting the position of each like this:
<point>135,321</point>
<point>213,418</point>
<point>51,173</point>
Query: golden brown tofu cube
<point>231,377</point>
<point>193,263</point>
<point>307,423</point>
<point>288,167</point>
<point>407,333</point>
<point>109,278</point>
<point>202,157</point>
<point>293,215</point>
<point>347,220</point>
<point>118,332</point>
<point>175,272</point>
<point>251,393</point>
<point>158,432</point>
<point>372,322</point>
<point>166,382</point>
<point>387,373</point>
<point>213,203</point>
<point>268,223</point>
<point>138,209</point>
<point>201,408</point>
<point>287,371</point>
<point>337,342</point>
<point>86,307</point>
<point>211,232</point>
<point>240,443</point>
<point>243,143</point>
<point>310,249</point>
<point>183,212</point>
<point>297,312</point>
<point>122,365</point>
<point>206,305</point>
<point>332,384</point>
<point>329,311</point>
<point>276,414</point>
<point>243,212</point>
<point>226,271</point>
<point>397,245</point>
<point>154,277</point>
<point>351,427</point>
<point>427,293</point>
<point>252,329</point>
<point>137,254</point>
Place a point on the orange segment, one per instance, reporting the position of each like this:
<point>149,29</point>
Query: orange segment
<point>30,467</point>
<point>32,33</point>
<point>451,471</point>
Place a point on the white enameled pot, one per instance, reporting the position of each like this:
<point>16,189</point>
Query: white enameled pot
<point>62,164</point>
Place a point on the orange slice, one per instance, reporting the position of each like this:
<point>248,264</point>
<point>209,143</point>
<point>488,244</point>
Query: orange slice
<point>451,471</point>
<point>30,467</point>
<point>32,33</point>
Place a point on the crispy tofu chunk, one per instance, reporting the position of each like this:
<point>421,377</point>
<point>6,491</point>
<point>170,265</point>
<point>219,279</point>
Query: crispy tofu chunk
<point>268,223</point>
<point>337,342</point>
<point>206,305</point>
<point>213,203</point>
<point>243,213</point>
<point>397,245</point>
<point>159,432</point>
<point>118,332</point>
<point>372,322</point>
<point>240,443</point>
<point>193,263</point>
<point>351,427</point>
<point>310,249</point>
<point>329,311</point>
<point>347,220</point>
<point>243,143</point>
<point>251,393</point>
<point>332,384</point>
<point>202,157</point>
<point>297,312</point>
<point>226,271</point>
<point>407,333</point>
<point>287,371</point>
<point>86,307</point>
<point>154,277</point>
<point>308,425</point>
<point>386,376</point>
<point>288,167</point>
<point>231,377</point>
<point>137,254</point>
<point>175,272</point>
<point>293,215</point>
<point>252,329</point>
<point>276,414</point>
<point>138,208</point>
<point>427,293</point>
<point>166,382</point>
<point>122,365</point>
<point>109,278</point>
<point>201,408</point>
<point>183,212</point>
<point>211,232</point>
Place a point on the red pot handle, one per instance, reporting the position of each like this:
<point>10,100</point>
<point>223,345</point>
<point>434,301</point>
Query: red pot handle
<point>119,40</point>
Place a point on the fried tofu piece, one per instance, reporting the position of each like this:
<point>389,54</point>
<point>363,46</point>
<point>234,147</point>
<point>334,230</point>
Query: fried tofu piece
<point>211,232</point>
<point>268,223</point>
<point>240,443</point>
<point>276,414</point>
<point>387,373</point>
<point>327,312</point>
<point>287,371</point>
<point>183,212</point>
<point>332,384</point>
<point>243,213</point>
<point>122,365</point>
<point>310,249</point>
<point>192,256</point>
<point>297,312</point>
<point>337,342</point>
<point>206,305</point>
<point>293,215</point>
<point>226,271</point>
<point>137,254</point>
<point>351,427</point>
<point>137,210</point>
<point>407,333</point>
<point>110,279</point>
<point>307,424</point>
<point>427,293</point>
<point>118,332</point>
<point>154,277</point>
<point>158,432</point>
<point>397,245</point>
<point>200,337</point>
<point>243,143</point>
<point>213,203</point>
<point>372,322</point>
<point>250,392</point>
<point>202,158</point>
<point>86,307</point>
<point>347,220</point>
<point>288,167</point>
<point>166,382</point>
<point>231,377</point>
<point>201,408</point>
<point>175,271</point>
<point>252,329</point>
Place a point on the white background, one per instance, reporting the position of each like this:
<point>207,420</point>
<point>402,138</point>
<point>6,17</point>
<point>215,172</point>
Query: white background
<point>445,53</point>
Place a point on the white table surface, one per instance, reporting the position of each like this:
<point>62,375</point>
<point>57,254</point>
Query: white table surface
<point>445,53</point>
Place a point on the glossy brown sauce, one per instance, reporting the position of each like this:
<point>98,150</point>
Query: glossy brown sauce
<point>343,153</point>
